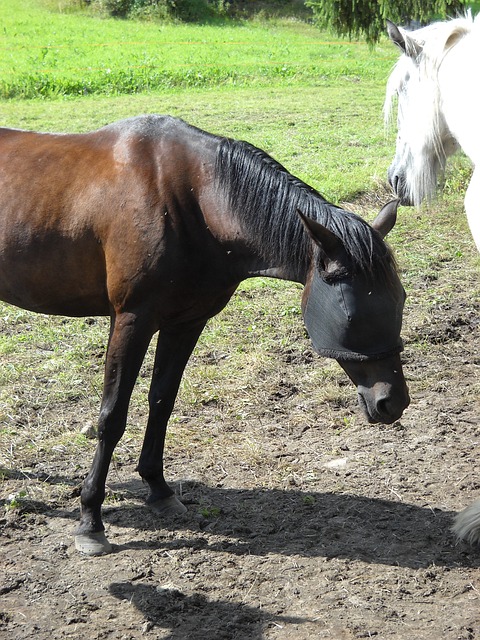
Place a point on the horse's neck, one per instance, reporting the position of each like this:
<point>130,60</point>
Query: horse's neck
<point>459,94</point>
<point>245,251</point>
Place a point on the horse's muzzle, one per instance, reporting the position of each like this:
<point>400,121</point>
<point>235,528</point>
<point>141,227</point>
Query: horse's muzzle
<point>382,390</point>
<point>384,409</point>
<point>399,186</point>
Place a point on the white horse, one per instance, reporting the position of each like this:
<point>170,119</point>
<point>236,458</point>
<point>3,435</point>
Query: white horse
<point>436,84</point>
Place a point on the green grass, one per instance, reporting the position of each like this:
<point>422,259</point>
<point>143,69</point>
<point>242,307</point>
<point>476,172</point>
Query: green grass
<point>54,54</point>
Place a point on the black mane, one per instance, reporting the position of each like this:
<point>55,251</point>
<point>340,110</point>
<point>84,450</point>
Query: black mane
<point>265,197</point>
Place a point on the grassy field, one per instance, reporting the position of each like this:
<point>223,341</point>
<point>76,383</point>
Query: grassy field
<point>52,54</point>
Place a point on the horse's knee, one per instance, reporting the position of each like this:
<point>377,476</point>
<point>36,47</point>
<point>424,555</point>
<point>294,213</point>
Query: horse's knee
<point>110,426</point>
<point>467,524</point>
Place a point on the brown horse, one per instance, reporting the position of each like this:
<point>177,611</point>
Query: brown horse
<point>155,223</point>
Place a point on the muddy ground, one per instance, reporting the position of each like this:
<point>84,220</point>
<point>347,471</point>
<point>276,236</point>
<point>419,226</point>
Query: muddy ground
<point>303,521</point>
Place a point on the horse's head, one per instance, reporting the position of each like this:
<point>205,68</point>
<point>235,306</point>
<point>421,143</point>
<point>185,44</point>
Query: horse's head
<point>356,318</point>
<point>424,140</point>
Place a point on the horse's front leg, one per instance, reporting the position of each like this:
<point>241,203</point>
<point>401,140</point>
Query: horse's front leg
<point>172,354</point>
<point>129,340</point>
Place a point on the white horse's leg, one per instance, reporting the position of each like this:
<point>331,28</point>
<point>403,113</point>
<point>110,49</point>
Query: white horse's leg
<point>472,206</point>
<point>467,524</point>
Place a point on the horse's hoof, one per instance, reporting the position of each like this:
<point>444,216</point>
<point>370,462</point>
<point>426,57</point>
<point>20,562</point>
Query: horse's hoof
<point>92,544</point>
<point>168,506</point>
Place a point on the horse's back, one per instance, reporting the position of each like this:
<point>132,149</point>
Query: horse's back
<point>81,213</point>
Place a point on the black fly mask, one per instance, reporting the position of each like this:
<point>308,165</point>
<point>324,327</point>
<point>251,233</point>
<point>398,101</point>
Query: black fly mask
<point>352,319</point>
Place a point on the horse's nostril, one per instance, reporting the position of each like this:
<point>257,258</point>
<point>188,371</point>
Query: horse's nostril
<point>389,410</point>
<point>383,407</point>
<point>396,184</point>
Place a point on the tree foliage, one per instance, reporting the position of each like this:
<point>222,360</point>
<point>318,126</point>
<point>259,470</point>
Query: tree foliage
<point>366,18</point>
<point>186,10</point>
<point>197,10</point>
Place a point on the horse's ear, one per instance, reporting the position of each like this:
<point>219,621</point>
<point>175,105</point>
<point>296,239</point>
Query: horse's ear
<point>395,35</point>
<point>331,244</point>
<point>385,221</point>
<point>406,43</point>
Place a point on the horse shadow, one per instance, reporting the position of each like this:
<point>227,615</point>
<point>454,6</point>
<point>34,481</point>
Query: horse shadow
<point>286,522</point>
<point>195,616</point>
<point>297,523</point>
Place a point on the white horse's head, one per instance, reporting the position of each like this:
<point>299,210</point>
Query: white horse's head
<point>424,140</point>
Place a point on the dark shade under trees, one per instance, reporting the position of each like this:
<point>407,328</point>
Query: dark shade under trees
<point>366,18</point>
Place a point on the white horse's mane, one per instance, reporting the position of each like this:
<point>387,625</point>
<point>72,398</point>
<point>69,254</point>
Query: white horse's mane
<point>425,50</point>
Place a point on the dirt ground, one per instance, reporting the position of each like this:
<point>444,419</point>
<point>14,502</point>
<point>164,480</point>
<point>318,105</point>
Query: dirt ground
<point>303,521</point>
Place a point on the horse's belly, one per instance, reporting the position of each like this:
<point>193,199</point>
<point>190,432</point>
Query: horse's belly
<point>52,299</point>
<point>55,277</point>
<point>66,305</point>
